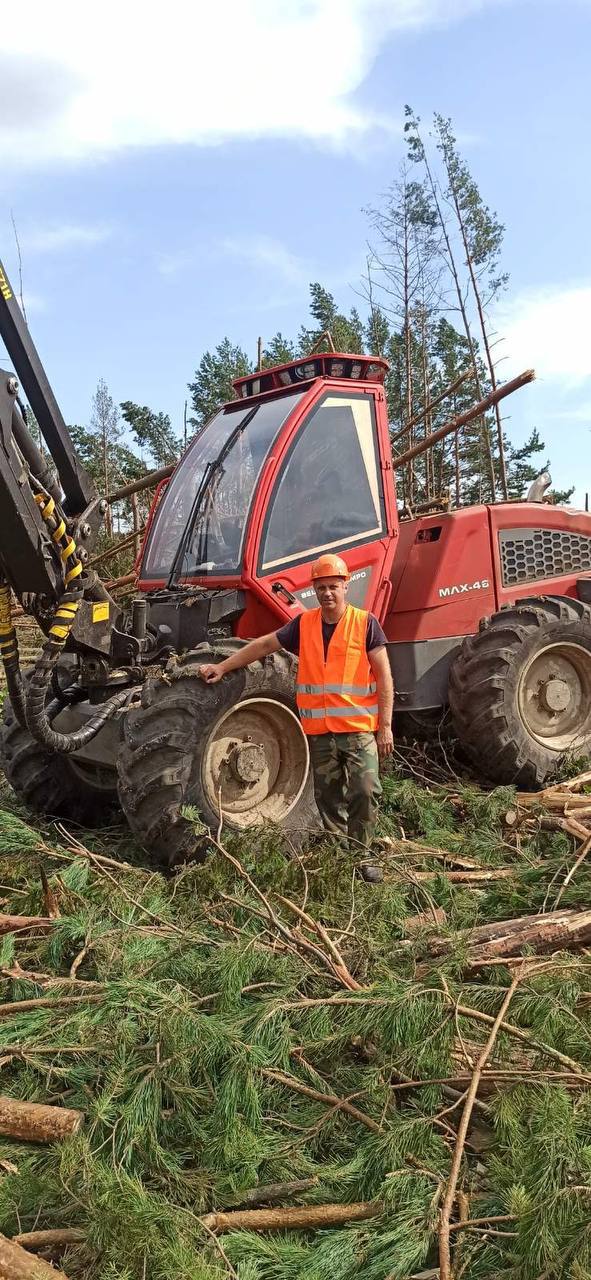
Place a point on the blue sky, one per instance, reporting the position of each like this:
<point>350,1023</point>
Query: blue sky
<point>181,173</point>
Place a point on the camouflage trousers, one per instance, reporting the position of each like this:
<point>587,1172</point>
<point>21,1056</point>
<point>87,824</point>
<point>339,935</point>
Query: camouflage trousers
<point>346,783</point>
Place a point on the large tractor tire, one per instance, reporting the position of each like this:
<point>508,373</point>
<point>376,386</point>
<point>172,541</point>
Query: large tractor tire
<point>520,690</point>
<point>190,743</point>
<point>429,725</point>
<point>47,782</point>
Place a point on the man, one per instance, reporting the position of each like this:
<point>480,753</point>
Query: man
<point>344,698</point>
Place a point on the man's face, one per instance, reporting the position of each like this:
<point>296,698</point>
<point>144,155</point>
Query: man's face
<point>331,593</point>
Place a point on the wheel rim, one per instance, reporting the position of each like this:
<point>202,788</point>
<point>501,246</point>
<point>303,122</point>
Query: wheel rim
<point>554,697</point>
<point>257,757</point>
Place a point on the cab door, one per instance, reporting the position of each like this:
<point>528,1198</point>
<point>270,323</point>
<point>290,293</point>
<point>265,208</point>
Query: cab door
<point>331,491</point>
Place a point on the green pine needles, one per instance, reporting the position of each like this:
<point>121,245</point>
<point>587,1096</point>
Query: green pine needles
<point>212,1055</point>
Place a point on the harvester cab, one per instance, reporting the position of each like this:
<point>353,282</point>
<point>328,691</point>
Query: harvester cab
<point>298,464</point>
<point>487,610</point>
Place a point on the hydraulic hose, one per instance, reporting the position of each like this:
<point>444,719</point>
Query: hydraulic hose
<point>10,658</point>
<point>36,710</point>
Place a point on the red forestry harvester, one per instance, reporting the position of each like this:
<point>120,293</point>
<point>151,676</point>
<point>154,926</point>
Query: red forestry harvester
<point>487,610</point>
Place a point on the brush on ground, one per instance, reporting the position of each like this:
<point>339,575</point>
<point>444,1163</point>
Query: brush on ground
<point>285,1073</point>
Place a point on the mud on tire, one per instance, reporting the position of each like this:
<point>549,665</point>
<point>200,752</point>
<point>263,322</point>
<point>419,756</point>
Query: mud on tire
<point>177,751</point>
<point>520,690</point>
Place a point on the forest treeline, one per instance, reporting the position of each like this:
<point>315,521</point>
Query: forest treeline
<point>432,275</point>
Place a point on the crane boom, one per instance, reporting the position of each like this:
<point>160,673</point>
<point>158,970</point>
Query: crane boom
<point>78,488</point>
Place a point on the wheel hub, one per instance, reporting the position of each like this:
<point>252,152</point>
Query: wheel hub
<point>555,695</point>
<point>255,762</point>
<point>247,761</point>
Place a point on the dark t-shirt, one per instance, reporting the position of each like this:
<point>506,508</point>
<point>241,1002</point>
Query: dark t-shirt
<point>289,635</point>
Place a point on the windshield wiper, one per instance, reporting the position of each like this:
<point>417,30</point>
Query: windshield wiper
<point>210,471</point>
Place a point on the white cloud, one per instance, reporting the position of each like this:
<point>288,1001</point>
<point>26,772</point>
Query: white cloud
<point>270,255</point>
<point>261,253</point>
<point>80,81</point>
<point>548,329</point>
<point>66,236</point>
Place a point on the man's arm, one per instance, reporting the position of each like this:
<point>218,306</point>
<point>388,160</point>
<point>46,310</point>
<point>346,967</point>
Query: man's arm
<point>252,652</point>
<point>378,661</point>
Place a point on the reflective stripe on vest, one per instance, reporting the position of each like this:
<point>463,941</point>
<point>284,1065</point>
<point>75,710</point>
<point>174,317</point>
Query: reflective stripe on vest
<point>336,694</point>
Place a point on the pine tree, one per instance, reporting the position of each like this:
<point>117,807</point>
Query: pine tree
<point>418,154</point>
<point>279,350</point>
<point>403,275</point>
<point>104,425</point>
<point>482,238</point>
<point>152,433</point>
<point>346,331</point>
<point>214,375</point>
<point>521,471</point>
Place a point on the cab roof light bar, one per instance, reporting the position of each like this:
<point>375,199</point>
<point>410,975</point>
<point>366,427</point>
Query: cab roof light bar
<point>329,364</point>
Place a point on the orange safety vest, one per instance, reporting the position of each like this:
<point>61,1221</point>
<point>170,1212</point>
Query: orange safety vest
<point>336,694</point>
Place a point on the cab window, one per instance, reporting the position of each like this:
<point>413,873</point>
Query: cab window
<point>329,494</point>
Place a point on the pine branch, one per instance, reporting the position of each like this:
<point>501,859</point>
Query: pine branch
<point>445,1268</point>
<point>328,1099</point>
<point>59,1002</point>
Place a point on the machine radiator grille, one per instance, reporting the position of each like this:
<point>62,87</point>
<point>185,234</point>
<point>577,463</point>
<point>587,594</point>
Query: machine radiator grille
<point>531,554</point>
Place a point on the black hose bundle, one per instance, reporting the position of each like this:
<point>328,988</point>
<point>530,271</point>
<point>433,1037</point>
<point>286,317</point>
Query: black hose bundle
<point>31,705</point>
<point>9,652</point>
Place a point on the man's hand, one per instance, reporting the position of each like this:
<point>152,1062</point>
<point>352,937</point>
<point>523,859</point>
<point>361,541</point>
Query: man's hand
<point>385,741</point>
<point>211,672</point>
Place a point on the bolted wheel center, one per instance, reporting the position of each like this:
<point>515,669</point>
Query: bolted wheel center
<point>255,763</point>
<point>555,695</point>
<point>247,761</point>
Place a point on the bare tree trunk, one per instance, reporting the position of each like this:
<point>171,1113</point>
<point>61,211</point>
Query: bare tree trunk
<point>376,341</point>
<point>483,329</point>
<point>408,354</point>
<point>136,525</point>
<point>462,307</point>
<point>429,463</point>
<point>108,513</point>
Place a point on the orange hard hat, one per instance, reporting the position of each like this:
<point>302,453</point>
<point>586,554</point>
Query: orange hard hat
<point>329,567</point>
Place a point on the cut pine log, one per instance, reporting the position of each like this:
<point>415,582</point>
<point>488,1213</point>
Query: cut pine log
<point>36,1122</point>
<point>565,932</point>
<point>272,1192</point>
<point>570,784</point>
<point>17,1263</point>
<point>20,924</point>
<point>55,1239</point>
<point>310,1217</point>
<point>482,876</point>
<point>414,849</point>
<point>554,800</point>
<point>555,931</point>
